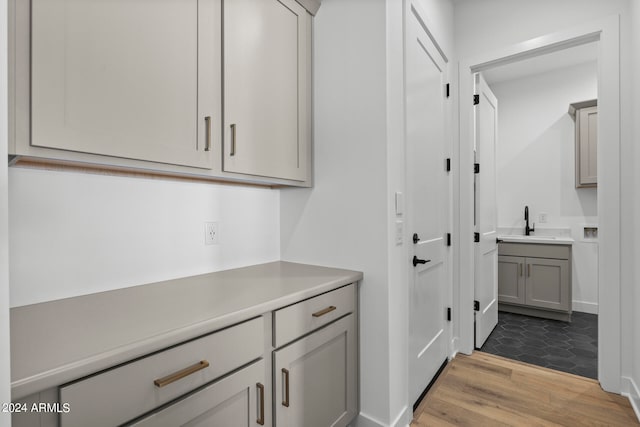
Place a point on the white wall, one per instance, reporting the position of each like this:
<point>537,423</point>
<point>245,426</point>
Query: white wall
<point>514,21</point>
<point>5,374</point>
<point>74,234</point>
<point>348,218</point>
<point>342,221</point>
<point>535,161</point>
<point>634,301</point>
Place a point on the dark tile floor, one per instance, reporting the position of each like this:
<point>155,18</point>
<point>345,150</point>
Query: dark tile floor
<point>569,347</point>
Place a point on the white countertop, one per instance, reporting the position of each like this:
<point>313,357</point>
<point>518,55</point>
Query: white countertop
<point>547,240</point>
<point>59,341</point>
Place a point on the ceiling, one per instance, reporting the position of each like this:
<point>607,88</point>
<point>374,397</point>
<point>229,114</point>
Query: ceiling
<point>543,63</point>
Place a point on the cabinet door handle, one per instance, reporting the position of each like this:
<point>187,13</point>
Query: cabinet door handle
<point>519,269</point>
<point>181,374</point>
<point>232,152</point>
<point>324,311</point>
<point>207,143</point>
<point>260,389</point>
<point>528,270</point>
<point>285,373</point>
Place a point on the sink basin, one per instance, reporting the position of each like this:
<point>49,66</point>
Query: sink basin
<point>515,238</point>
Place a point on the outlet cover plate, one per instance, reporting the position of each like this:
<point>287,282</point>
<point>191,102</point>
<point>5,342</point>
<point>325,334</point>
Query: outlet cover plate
<point>211,234</point>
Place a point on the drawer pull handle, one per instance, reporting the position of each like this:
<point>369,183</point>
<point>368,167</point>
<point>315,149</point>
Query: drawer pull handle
<point>207,121</point>
<point>260,419</point>
<point>181,374</point>
<point>324,311</point>
<point>232,152</point>
<point>285,402</point>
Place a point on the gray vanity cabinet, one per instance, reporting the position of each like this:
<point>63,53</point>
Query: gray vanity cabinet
<point>535,279</point>
<point>511,279</point>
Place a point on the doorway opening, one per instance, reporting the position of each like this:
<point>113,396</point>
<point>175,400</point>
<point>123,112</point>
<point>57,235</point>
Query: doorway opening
<point>606,35</point>
<point>548,288</point>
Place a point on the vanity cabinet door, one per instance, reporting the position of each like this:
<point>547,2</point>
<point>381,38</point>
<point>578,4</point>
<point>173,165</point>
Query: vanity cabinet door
<point>126,78</point>
<point>511,279</point>
<point>548,283</point>
<point>237,400</point>
<point>267,101</point>
<point>315,378</point>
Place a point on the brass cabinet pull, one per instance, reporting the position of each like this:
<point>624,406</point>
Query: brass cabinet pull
<point>207,144</point>
<point>324,311</point>
<point>285,402</point>
<point>529,270</point>
<point>181,374</point>
<point>260,389</point>
<point>519,269</point>
<point>233,140</point>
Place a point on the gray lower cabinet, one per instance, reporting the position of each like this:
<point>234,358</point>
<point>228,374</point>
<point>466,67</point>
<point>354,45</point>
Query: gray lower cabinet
<point>315,378</point>
<point>535,279</point>
<point>237,400</point>
<point>294,366</point>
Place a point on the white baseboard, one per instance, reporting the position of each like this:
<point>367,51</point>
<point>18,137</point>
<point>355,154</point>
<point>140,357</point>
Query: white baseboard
<point>585,307</point>
<point>364,420</point>
<point>632,392</point>
<point>402,420</point>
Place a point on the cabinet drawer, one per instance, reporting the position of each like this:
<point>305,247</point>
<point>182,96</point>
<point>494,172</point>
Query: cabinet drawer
<point>128,391</point>
<point>536,250</point>
<point>296,320</point>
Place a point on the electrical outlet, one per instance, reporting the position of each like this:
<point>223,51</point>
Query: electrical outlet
<point>211,233</point>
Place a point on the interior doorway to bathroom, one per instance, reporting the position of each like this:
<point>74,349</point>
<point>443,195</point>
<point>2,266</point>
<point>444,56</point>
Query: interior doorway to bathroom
<point>606,33</point>
<point>537,163</point>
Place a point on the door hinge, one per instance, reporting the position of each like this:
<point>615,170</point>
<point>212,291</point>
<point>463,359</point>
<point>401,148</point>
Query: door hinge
<point>449,314</point>
<point>476,99</point>
<point>476,237</point>
<point>447,89</point>
<point>476,305</point>
<point>448,165</point>
<point>476,168</point>
<point>448,239</point>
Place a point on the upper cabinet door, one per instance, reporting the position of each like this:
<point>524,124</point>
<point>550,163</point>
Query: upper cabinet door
<point>267,65</point>
<point>127,78</point>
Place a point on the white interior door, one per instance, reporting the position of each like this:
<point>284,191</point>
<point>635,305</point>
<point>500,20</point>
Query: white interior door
<point>427,202</point>
<point>486,250</point>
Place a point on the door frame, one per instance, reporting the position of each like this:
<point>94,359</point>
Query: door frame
<point>606,32</point>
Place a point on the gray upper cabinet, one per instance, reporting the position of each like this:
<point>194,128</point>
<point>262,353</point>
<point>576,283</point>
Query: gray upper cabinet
<point>267,46</point>
<point>585,115</point>
<point>140,85</point>
<point>126,78</point>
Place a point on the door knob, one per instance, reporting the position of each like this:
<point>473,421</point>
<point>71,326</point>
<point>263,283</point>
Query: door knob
<point>417,261</point>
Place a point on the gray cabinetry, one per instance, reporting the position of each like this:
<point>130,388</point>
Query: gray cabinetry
<point>214,89</point>
<point>267,115</point>
<point>315,377</point>
<point>585,115</point>
<point>141,92</point>
<point>535,279</point>
<point>236,400</point>
<point>236,346</point>
<point>511,279</point>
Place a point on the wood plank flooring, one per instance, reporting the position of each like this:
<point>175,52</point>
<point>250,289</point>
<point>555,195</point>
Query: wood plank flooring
<point>488,390</point>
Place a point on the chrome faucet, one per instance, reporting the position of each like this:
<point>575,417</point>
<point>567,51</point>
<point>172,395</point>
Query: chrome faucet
<point>527,229</point>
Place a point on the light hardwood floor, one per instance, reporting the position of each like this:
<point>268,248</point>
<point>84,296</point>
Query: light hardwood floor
<point>487,390</point>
